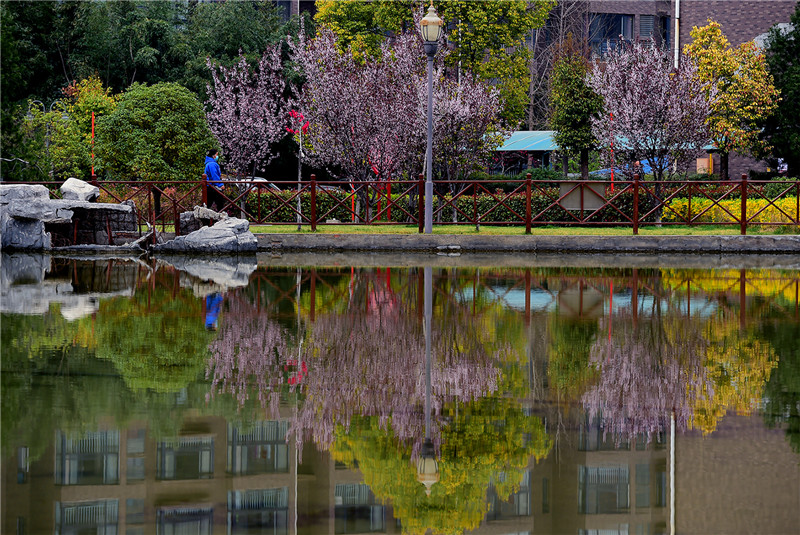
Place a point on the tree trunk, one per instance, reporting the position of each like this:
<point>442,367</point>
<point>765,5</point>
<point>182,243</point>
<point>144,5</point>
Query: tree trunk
<point>565,163</point>
<point>723,166</point>
<point>157,200</point>
<point>585,164</point>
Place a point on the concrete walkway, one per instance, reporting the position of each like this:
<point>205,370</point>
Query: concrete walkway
<point>453,244</point>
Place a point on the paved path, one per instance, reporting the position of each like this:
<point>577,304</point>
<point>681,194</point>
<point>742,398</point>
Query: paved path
<point>452,244</point>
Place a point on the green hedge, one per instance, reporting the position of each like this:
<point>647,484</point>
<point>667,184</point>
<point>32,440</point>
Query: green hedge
<point>327,208</point>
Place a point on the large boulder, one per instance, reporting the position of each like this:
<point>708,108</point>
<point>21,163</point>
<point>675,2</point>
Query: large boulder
<point>78,190</point>
<point>22,192</point>
<point>227,236</point>
<point>22,234</point>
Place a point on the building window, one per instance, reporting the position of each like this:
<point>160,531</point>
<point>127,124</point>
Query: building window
<point>260,450</point>
<point>664,31</point>
<point>258,511</point>
<point>357,510</point>
<point>642,485</point>
<point>518,504</point>
<point>607,29</point>
<point>186,458</point>
<point>185,519</point>
<point>603,489</point>
<point>23,464</point>
<point>134,511</point>
<point>90,460</point>
<point>646,26</point>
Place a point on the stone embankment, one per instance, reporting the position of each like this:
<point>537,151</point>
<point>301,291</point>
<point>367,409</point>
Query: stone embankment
<point>31,221</point>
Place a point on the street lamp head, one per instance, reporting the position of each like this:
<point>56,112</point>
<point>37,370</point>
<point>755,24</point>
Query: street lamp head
<point>427,466</point>
<point>60,104</point>
<point>431,25</point>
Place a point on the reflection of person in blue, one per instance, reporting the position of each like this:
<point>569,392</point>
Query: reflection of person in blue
<point>213,304</point>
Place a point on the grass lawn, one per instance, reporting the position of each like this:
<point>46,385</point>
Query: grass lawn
<point>667,230</point>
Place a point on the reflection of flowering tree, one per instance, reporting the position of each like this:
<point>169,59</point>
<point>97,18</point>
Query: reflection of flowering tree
<point>250,353</point>
<point>373,365</point>
<point>645,375</point>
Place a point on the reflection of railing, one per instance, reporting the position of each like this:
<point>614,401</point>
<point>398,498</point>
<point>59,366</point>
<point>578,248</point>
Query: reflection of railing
<point>242,500</point>
<point>93,442</point>
<point>632,203</point>
<point>637,291</point>
<point>353,494</point>
<point>87,513</point>
<point>274,431</point>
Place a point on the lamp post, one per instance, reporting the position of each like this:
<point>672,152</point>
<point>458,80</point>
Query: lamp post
<point>47,110</point>
<point>431,27</point>
<point>427,466</point>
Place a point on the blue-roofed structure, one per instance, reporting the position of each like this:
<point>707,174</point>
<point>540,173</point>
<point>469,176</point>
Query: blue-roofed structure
<point>530,140</point>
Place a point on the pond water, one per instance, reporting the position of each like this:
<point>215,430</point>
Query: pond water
<point>261,397</point>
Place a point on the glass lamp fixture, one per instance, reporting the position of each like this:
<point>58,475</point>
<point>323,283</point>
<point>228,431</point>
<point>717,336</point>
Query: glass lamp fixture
<point>431,25</point>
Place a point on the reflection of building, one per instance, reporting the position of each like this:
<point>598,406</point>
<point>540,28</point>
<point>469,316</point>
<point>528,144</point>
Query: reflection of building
<point>220,477</point>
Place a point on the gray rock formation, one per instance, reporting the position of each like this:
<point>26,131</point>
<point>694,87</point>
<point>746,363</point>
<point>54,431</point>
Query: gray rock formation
<point>218,274</point>
<point>228,236</point>
<point>78,190</point>
<point>30,220</point>
<point>26,289</point>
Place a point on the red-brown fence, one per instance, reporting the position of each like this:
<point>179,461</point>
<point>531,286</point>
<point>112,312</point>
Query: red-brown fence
<point>635,203</point>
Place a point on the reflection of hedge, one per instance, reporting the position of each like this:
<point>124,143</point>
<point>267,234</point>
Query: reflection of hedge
<point>728,211</point>
<point>279,207</point>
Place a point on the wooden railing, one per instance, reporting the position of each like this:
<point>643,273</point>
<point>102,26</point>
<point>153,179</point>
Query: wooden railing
<point>634,203</point>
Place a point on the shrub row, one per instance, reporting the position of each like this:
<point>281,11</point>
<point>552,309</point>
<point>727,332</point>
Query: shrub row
<point>276,207</point>
<point>728,211</point>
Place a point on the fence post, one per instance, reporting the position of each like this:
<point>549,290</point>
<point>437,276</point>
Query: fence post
<point>94,179</point>
<point>204,188</point>
<point>177,218</point>
<point>421,203</point>
<point>313,203</point>
<point>475,207</point>
<point>743,217</point>
<point>389,200</point>
<point>527,205</point>
<point>635,204</point>
<point>152,210</point>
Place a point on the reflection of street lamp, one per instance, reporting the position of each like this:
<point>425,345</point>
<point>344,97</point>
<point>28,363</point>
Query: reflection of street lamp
<point>431,27</point>
<point>427,466</point>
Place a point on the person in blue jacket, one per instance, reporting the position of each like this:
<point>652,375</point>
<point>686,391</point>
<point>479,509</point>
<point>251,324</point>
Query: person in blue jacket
<point>216,200</point>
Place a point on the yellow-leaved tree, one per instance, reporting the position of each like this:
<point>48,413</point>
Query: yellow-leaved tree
<point>739,88</point>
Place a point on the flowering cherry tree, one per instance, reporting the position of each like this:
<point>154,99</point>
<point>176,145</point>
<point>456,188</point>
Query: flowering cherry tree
<point>247,110</point>
<point>368,115</point>
<point>659,113</point>
<point>362,114</point>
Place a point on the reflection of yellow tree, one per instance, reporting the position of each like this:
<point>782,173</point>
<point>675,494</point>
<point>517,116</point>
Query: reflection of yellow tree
<point>570,342</point>
<point>489,440</point>
<point>738,366</point>
<point>156,339</point>
<point>759,282</point>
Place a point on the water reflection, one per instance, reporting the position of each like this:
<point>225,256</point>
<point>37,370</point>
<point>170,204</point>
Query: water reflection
<point>303,408</point>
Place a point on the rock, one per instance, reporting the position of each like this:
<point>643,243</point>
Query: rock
<point>24,192</point>
<point>78,190</point>
<point>22,234</point>
<point>230,235</point>
<point>203,213</point>
<point>189,223</point>
<point>208,275</point>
